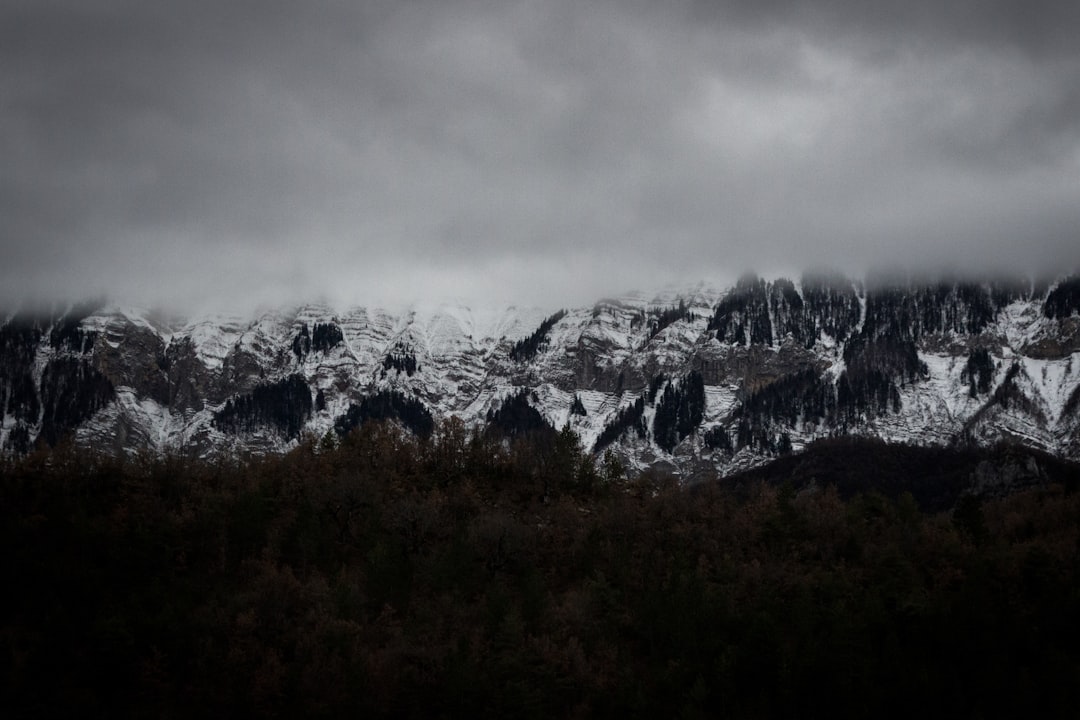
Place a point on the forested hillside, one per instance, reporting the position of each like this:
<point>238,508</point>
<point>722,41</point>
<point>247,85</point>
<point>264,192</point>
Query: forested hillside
<point>695,379</point>
<point>485,574</point>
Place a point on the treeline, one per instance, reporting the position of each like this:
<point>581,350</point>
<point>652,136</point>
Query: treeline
<point>388,405</point>
<point>516,417</point>
<point>664,318</point>
<point>1063,300</point>
<point>911,310</point>
<point>868,387</point>
<point>679,412</point>
<point>758,312</point>
<point>402,358</point>
<point>284,405</point>
<point>527,348</point>
<point>978,372</point>
<point>462,575</point>
<point>71,391</point>
<point>628,418</point>
<point>321,338</point>
<point>936,477</point>
<point>743,315</point>
<point>71,388</point>
<point>19,339</point>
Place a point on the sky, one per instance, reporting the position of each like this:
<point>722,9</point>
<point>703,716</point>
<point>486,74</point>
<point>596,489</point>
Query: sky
<point>546,153</point>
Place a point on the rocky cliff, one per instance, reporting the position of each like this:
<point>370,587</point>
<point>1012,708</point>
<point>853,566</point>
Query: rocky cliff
<point>693,380</point>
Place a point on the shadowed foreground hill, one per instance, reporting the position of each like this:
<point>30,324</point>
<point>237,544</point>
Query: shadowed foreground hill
<point>454,576</point>
<point>936,477</point>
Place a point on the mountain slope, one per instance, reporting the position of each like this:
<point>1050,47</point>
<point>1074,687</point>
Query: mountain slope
<point>695,381</point>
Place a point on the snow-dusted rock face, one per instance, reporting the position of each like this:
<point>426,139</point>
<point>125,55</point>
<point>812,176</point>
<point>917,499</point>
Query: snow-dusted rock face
<point>699,380</point>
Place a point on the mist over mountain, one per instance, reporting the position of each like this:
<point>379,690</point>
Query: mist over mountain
<point>699,381</point>
<point>401,359</point>
<point>526,152</point>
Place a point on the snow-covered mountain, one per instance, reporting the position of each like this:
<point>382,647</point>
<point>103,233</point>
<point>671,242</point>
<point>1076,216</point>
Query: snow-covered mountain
<point>694,380</point>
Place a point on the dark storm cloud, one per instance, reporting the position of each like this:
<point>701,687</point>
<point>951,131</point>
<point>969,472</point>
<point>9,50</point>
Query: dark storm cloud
<point>536,151</point>
<point>1038,27</point>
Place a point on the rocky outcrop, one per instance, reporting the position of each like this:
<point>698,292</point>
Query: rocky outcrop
<point>779,364</point>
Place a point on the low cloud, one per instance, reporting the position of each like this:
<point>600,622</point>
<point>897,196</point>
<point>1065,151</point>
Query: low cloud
<point>526,152</point>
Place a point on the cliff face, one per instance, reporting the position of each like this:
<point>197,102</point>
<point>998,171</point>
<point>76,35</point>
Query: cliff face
<point>699,379</point>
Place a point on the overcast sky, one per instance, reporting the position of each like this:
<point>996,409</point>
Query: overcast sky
<point>537,152</point>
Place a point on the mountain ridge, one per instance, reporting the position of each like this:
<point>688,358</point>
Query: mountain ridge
<point>726,378</point>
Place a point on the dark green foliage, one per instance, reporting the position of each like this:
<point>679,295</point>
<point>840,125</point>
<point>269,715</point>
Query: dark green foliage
<point>679,411</point>
<point>1063,300</point>
<point>67,333</point>
<point>890,310</point>
<point>516,417</point>
<point>527,349</point>
<point>804,395</point>
<point>630,417</point>
<point>668,316</point>
<point>19,339</point>
<point>401,358</point>
<point>388,405</point>
<point>717,438</point>
<point>968,518</point>
<point>284,405</point>
<point>831,306</point>
<point>665,420</point>
<point>964,308</point>
<point>879,359</point>
<point>321,338</point>
<point>20,397</point>
<point>743,315</point>
<point>761,437</point>
<point>1008,394</point>
<point>876,365</point>
<point>865,394</point>
<point>71,391</point>
<point>907,311</point>
<point>887,355</point>
<point>789,313</point>
<point>867,388</point>
<point>1004,291</point>
<point>975,306</point>
<point>301,344</point>
<point>761,313</point>
<point>936,477</point>
<point>348,582</point>
<point>978,372</point>
<point>325,336</point>
<point>18,440</point>
<point>1073,403</point>
<point>692,404</point>
<point>21,400</point>
<point>828,304</point>
<point>577,407</point>
<point>654,387</point>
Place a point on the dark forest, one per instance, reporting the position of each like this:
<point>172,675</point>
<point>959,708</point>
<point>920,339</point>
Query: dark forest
<point>463,573</point>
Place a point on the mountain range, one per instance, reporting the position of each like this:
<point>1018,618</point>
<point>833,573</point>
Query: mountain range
<point>696,381</point>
